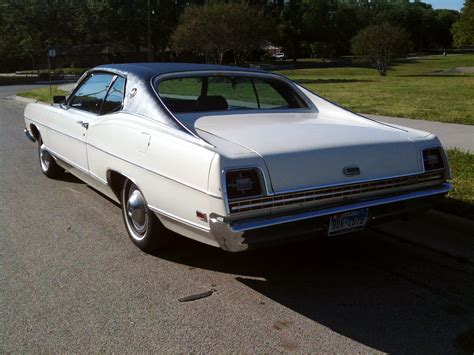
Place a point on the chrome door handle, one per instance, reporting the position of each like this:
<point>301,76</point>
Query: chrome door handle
<point>83,124</point>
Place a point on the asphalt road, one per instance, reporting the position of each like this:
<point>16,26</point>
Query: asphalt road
<point>70,280</point>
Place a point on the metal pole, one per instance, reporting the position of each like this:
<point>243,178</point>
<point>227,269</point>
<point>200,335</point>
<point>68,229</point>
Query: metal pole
<point>49,75</point>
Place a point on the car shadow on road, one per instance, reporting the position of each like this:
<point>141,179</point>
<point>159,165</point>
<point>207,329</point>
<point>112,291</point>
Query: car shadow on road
<point>379,292</point>
<point>68,177</point>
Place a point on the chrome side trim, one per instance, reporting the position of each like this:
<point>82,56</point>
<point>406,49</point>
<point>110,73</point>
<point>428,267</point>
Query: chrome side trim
<point>178,219</point>
<point>75,166</point>
<point>98,178</point>
<point>242,226</point>
<point>67,161</point>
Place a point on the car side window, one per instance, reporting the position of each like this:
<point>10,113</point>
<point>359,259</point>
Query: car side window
<point>114,99</point>
<point>268,97</point>
<point>90,95</point>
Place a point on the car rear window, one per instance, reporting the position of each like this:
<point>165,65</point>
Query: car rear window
<point>227,93</point>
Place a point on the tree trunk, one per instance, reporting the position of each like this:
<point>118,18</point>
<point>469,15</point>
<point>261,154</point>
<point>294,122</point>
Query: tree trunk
<point>382,67</point>
<point>32,61</point>
<point>220,57</point>
<point>293,53</point>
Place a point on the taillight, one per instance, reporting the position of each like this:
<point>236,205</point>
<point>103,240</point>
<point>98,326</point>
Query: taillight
<point>433,159</point>
<point>243,183</point>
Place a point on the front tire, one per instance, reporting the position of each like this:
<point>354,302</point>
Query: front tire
<point>143,227</point>
<point>48,164</point>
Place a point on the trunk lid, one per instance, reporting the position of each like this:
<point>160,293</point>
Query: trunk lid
<point>305,150</point>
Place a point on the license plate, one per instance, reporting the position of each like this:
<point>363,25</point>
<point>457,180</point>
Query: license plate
<point>348,221</point>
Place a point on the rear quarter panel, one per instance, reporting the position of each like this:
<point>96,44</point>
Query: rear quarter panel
<point>170,167</point>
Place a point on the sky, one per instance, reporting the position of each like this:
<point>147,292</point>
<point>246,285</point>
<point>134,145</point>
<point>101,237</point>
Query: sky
<point>446,4</point>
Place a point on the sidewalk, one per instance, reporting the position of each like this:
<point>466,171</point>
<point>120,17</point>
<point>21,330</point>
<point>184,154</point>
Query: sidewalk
<point>451,135</point>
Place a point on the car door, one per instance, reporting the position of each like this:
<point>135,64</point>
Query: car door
<point>68,128</point>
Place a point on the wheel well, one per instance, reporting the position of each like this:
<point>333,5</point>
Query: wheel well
<point>115,181</point>
<point>34,132</point>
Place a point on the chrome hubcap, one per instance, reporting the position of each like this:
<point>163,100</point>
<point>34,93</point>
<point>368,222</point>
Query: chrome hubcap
<point>45,158</point>
<point>136,211</point>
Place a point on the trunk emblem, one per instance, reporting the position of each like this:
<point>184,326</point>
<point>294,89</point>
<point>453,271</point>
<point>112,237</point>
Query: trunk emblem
<point>351,170</point>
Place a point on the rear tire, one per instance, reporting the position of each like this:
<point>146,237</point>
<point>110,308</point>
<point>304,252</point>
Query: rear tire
<point>143,227</point>
<point>48,164</point>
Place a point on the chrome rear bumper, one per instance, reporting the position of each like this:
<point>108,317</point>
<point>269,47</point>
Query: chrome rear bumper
<point>230,236</point>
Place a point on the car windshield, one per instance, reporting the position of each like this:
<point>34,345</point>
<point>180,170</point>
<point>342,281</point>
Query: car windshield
<point>227,93</point>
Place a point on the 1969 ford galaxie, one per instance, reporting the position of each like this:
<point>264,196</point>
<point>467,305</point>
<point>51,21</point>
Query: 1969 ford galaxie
<point>232,157</point>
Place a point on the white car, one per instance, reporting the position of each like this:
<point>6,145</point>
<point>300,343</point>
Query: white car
<point>232,157</point>
<point>279,56</point>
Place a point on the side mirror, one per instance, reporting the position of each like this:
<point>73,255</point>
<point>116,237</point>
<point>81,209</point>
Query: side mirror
<point>59,99</point>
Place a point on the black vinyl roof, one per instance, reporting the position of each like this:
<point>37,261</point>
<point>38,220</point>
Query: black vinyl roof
<point>147,70</point>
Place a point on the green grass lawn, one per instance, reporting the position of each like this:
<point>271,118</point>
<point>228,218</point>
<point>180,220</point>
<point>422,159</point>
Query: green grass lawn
<point>413,89</point>
<point>42,94</point>
<point>416,88</point>
<point>460,200</point>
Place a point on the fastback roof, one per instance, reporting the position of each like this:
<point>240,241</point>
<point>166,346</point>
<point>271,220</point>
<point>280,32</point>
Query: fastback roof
<point>144,100</point>
<point>147,70</point>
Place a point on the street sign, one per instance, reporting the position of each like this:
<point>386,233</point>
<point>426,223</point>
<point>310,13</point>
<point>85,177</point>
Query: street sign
<point>52,52</point>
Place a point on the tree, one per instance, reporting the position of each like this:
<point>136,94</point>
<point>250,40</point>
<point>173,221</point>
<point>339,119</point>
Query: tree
<point>381,44</point>
<point>216,28</point>
<point>29,27</point>
<point>442,34</point>
<point>463,29</point>
<point>291,26</point>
